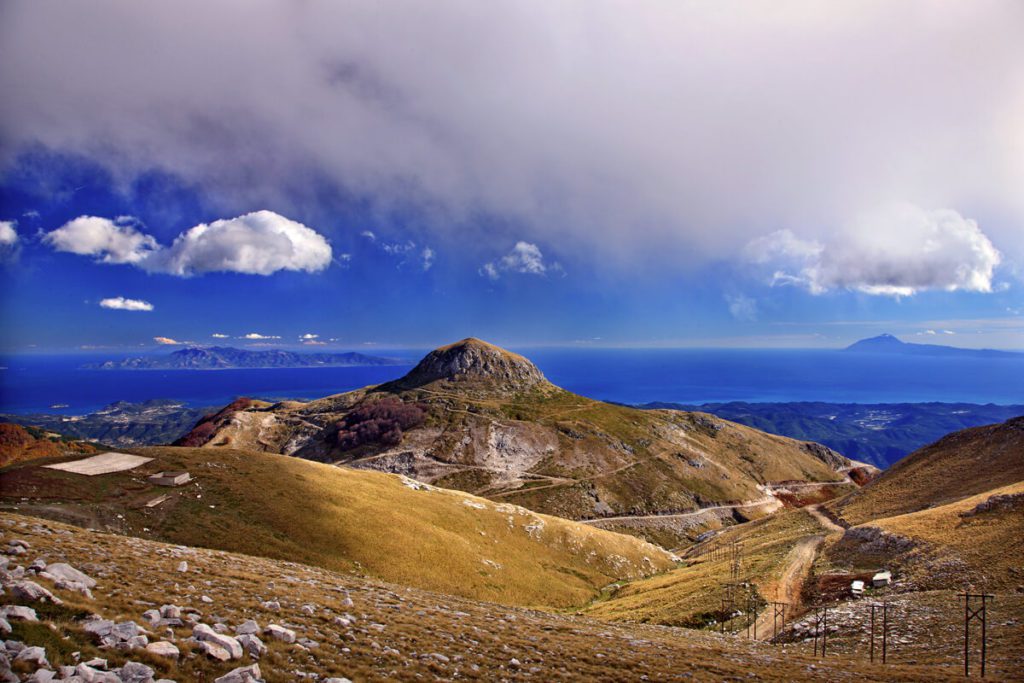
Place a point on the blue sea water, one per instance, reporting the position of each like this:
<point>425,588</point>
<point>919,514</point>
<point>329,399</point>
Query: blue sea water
<point>35,383</point>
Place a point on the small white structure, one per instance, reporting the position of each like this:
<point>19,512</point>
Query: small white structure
<point>170,478</point>
<point>881,579</point>
<point>104,463</point>
<point>857,588</point>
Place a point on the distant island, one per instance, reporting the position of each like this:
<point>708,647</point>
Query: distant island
<point>225,358</point>
<point>888,344</point>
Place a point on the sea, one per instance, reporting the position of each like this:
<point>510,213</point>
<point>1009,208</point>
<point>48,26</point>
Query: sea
<point>58,384</point>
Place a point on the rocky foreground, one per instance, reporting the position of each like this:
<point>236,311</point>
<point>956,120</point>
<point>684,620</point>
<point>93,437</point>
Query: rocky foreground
<point>88,606</point>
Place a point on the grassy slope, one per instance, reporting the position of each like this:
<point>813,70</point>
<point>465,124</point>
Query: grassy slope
<point>683,595</point>
<point>478,640</point>
<point>961,464</point>
<point>983,548</point>
<point>342,519</point>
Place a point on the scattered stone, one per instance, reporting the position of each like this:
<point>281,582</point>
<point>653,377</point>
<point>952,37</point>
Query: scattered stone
<point>252,644</point>
<point>163,648</point>
<point>243,674</point>
<point>36,656</point>
<point>183,566</point>
<point>247,627</point>
<point>18,613</point>
<point>213,651</point>
<point>204,633</point>
<point>135,672</point>
<point>280,633</point>
<point>30,591</point>
<point>90,675</point>
<point>62,572</point>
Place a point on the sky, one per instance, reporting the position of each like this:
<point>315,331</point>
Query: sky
<point>350,174</point>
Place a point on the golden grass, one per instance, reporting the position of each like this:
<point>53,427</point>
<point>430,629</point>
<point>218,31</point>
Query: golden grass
<point>685,596</point>
<point>350,520</point>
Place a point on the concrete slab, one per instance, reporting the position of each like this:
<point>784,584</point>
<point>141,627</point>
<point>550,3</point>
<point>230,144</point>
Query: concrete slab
<point>104,463</point>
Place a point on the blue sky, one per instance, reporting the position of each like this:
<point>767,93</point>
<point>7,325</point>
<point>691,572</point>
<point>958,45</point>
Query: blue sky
<point>553,190</point>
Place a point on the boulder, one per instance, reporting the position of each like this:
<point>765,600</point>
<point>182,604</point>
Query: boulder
<point>213,651</point>
<point>204,633</point>
<point>170,611</point>
<point>135,672</point>
<point>183,566</point>
<point>98,627</point>
<point>61,571</point>
<point>18,613</point>
<point>36,656</point>
<point>247,627</point>
<point>42,676</point>
<point>30,591</point>
<point>163,648</point>
<point>126,630</point>
<point>5,627</point>
<point>91,675</point>
<point>243,674</point>
<point>280,633</point>
<point>252,645</point>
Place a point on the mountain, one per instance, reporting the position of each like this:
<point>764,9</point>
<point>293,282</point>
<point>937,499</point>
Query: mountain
<point>959,465</point>
<point>121,424</point>
<point>888,344</point>
<point>224,357</point>
<point>875,433</point>
<point>18,444</point>
<point>474,417</point>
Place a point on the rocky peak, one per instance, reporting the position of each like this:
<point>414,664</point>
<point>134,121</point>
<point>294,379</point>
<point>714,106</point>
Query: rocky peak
<point>473,362</point>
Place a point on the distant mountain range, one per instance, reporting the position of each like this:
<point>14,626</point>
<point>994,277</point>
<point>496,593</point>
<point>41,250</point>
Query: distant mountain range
<point>225,357</point>
<point>879,434</point>
<point>888,344</point>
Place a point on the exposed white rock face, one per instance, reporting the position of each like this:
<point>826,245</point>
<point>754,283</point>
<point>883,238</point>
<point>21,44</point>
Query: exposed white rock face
<point>204,633</point>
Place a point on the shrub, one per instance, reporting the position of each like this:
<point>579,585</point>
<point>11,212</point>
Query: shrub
<point>380,422</point>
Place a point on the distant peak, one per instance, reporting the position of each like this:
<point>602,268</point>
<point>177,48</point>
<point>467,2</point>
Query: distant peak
<point>473,361</point>
<point>882,340</point>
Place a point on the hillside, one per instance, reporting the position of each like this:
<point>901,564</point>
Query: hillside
<point>373,524</point>
<point>474,417</point>
<point>876,433</point>
<point>961,464</point>
<point>368,631</point>
<point>20,444</point>
<point>225,357</point>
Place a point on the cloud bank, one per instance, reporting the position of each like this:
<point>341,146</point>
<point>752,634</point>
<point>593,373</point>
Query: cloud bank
<point>897,251</point>
<point>119,303</point>
<point>656,132</point>
<point>259,243</point>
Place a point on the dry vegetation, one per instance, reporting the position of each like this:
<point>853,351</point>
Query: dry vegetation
<point>374,524</point>
<point>397,633</point>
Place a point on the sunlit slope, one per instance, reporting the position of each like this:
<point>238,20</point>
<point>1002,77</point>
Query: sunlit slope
<point>477,418</point>
<point>375,524</point>
<point>961,464</point>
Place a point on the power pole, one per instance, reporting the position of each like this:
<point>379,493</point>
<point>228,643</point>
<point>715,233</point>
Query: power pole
<point>820,624</point>
<point>884,607</point>
<point>970,614</point>
<point>778,617</point>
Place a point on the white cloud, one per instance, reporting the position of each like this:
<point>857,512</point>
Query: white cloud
<point>110,241</point>
<point>258,243</point>
<point>368,234</point>
<point>427,255</point>
<point>313,342</point>
<point>897,250</point>
<point>8,235</point>
<point>309,335</point>
<point>524,258</point>
<point>122,304</point>
<point>618,128</point>
<point>218,335</point>
<point>167,341</point>
<point>742,307</point>
<point>257,335</point>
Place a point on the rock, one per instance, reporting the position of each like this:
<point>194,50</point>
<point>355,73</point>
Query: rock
<point>220,628</point>
<point>204,633</point>
<point>280,633</point>
<point>36,656</point>
<point>243,674</point>
<point>60,571</point>
<point>5,627</point>
<point>37,565</point>
<point>162,648</point>
<point>126,630</point>
<point>18,613</point>
<point>182,566</point>
<point>135,672</point>
<point>247,627</point>
<point>138,642</point>
<point>98,627</point>
<point>308,609</point>
<point>271,604</point>
<point>213,651</point>
<point>336,680</point>
<point>30,591</point>
<point>170,612</point>
<point>42,676</point>
<point>206,598</point>
<point>252,645</point>
<point>91,675</point>
<point>152,616</point>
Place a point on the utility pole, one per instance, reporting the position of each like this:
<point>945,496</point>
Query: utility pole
<point>820,624</point>
<point>778,617</point>
<point>972,613</point>
<point>884,607</point>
